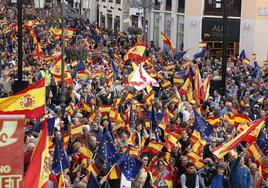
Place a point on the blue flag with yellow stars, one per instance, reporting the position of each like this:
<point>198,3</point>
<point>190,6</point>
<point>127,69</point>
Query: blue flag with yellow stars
<point>106,150</point>
<point>60,158</point>
<point>202,126</point>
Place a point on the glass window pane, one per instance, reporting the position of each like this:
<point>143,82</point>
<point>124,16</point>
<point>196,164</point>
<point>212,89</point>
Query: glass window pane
<point>156,28</point>
<point>181,6</point>
<point>168,5</point>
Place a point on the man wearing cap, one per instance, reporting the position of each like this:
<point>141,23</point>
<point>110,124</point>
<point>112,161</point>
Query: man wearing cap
<point>219,180</point>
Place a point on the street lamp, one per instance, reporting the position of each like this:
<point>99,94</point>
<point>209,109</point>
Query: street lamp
<point>224,44</point>
<point>142,4</point>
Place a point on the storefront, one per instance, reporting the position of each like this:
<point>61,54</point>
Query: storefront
<point>212,33</point>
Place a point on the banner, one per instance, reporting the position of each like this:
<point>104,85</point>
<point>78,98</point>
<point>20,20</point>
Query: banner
<point>11,150</point>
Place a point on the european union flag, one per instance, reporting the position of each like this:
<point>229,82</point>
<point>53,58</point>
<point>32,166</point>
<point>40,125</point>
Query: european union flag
<point>201,54</point>
<point>129,166</point>
<point>159,115</point>
<point>179,55</point>
<point>131,119</point>
<point>92,182</point>
<point>242,55</point>
<point>60,158</point>
<point>116,73</point>
<point>50,126</point>
<point>202,126</point>
<point>81,66</point>
<point>154,123</point>
<point>106,150</point>
<point>257,71</point>
<point>262,141</point>
<point>96,37</point>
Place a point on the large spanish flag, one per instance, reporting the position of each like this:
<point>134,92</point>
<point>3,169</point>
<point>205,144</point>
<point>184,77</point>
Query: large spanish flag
<point>249,135</point>
<point>30,101</point>
<point>168,42</point>
<point>37,174</point>
<point>136,52</point>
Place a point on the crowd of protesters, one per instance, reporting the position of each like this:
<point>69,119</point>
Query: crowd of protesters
<point>246,93</point>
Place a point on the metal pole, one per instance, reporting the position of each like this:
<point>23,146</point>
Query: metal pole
<point>62,97</point>
<point>224,44</point>
<point>144,20</point>
<point>19,34</point>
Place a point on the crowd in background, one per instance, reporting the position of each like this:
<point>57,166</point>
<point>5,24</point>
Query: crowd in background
<point>103,56</point>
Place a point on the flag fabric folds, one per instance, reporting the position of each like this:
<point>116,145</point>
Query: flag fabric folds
<point>60,158</point>
<point>136,52</point>
<point>201,54</point>
<point>168,42</point>
<point>92,182</point>
<point>249,135</point>
<point>202,126</point>
<point>129,166</point>
<point>106,150</point>
<point>37,174</point>
<point>30,101</point>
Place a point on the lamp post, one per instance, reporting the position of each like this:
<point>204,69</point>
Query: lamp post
<point>62,97</point>
<point>224,44</point>
<point>19,84</point>
<point>142,4</point>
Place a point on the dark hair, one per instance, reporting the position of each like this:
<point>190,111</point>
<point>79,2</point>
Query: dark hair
<point>189,164</point>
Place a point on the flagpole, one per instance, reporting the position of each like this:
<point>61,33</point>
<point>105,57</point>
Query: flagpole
<point>62,97</point>
<point>62,175</point>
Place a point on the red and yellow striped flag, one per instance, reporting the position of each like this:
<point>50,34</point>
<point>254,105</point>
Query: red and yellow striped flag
<point>196,159</point>
<point>168,42</point>
<point>85,152</point>
<point>149,97</point>
<point>166,84</point>
<point>178,81</point>
<point>93,168</point>
<point>105,108</point>
<point>155,147</point>
<point>254,151</point>
<point>136,52</point>
<point>30,101</point>
<point>37,174</point>
<point>76,130</point>
<point>114,173</point>
<point>213,121</point>
<point>248,135</point>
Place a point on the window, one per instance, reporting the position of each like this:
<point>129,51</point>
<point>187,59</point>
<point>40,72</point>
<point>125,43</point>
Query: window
<point>103,0</point>
<point>110,1</point>
<point>135,20</point>
<point>167,29</point>
<point>157,5</point>
<point>180,32</point>
<point>181,6</point>
<point>214,7</point>
<point>168,5</point>
<point>118,2</point>
<point>156,28</point>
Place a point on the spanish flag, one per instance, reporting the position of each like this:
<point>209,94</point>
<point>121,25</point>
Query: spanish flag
<point>114,173</point>
<point>67,78</point>
<point>168,42</point>
<point>56,68</point>
<point>30,101</point>
<point>249,135</point>
<point>255,153</point>
<point>136,52</point>
<point>93,168</point>
<point>37,174</point>
<point>85,152</point>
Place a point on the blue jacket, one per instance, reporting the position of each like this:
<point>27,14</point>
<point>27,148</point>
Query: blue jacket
<point>240,176</point>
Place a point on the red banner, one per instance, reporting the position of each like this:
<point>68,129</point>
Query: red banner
<point>11,150</point>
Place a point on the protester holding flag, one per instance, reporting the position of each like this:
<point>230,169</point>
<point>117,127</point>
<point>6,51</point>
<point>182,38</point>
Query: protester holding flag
<point>129,104</point>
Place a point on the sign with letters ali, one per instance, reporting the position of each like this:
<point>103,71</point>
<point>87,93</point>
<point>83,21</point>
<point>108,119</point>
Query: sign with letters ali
<point>212,29</point>
<point>11,150</point>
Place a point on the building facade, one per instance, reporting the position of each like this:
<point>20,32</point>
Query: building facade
<point>188,22</point>
<point>113,14</point>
